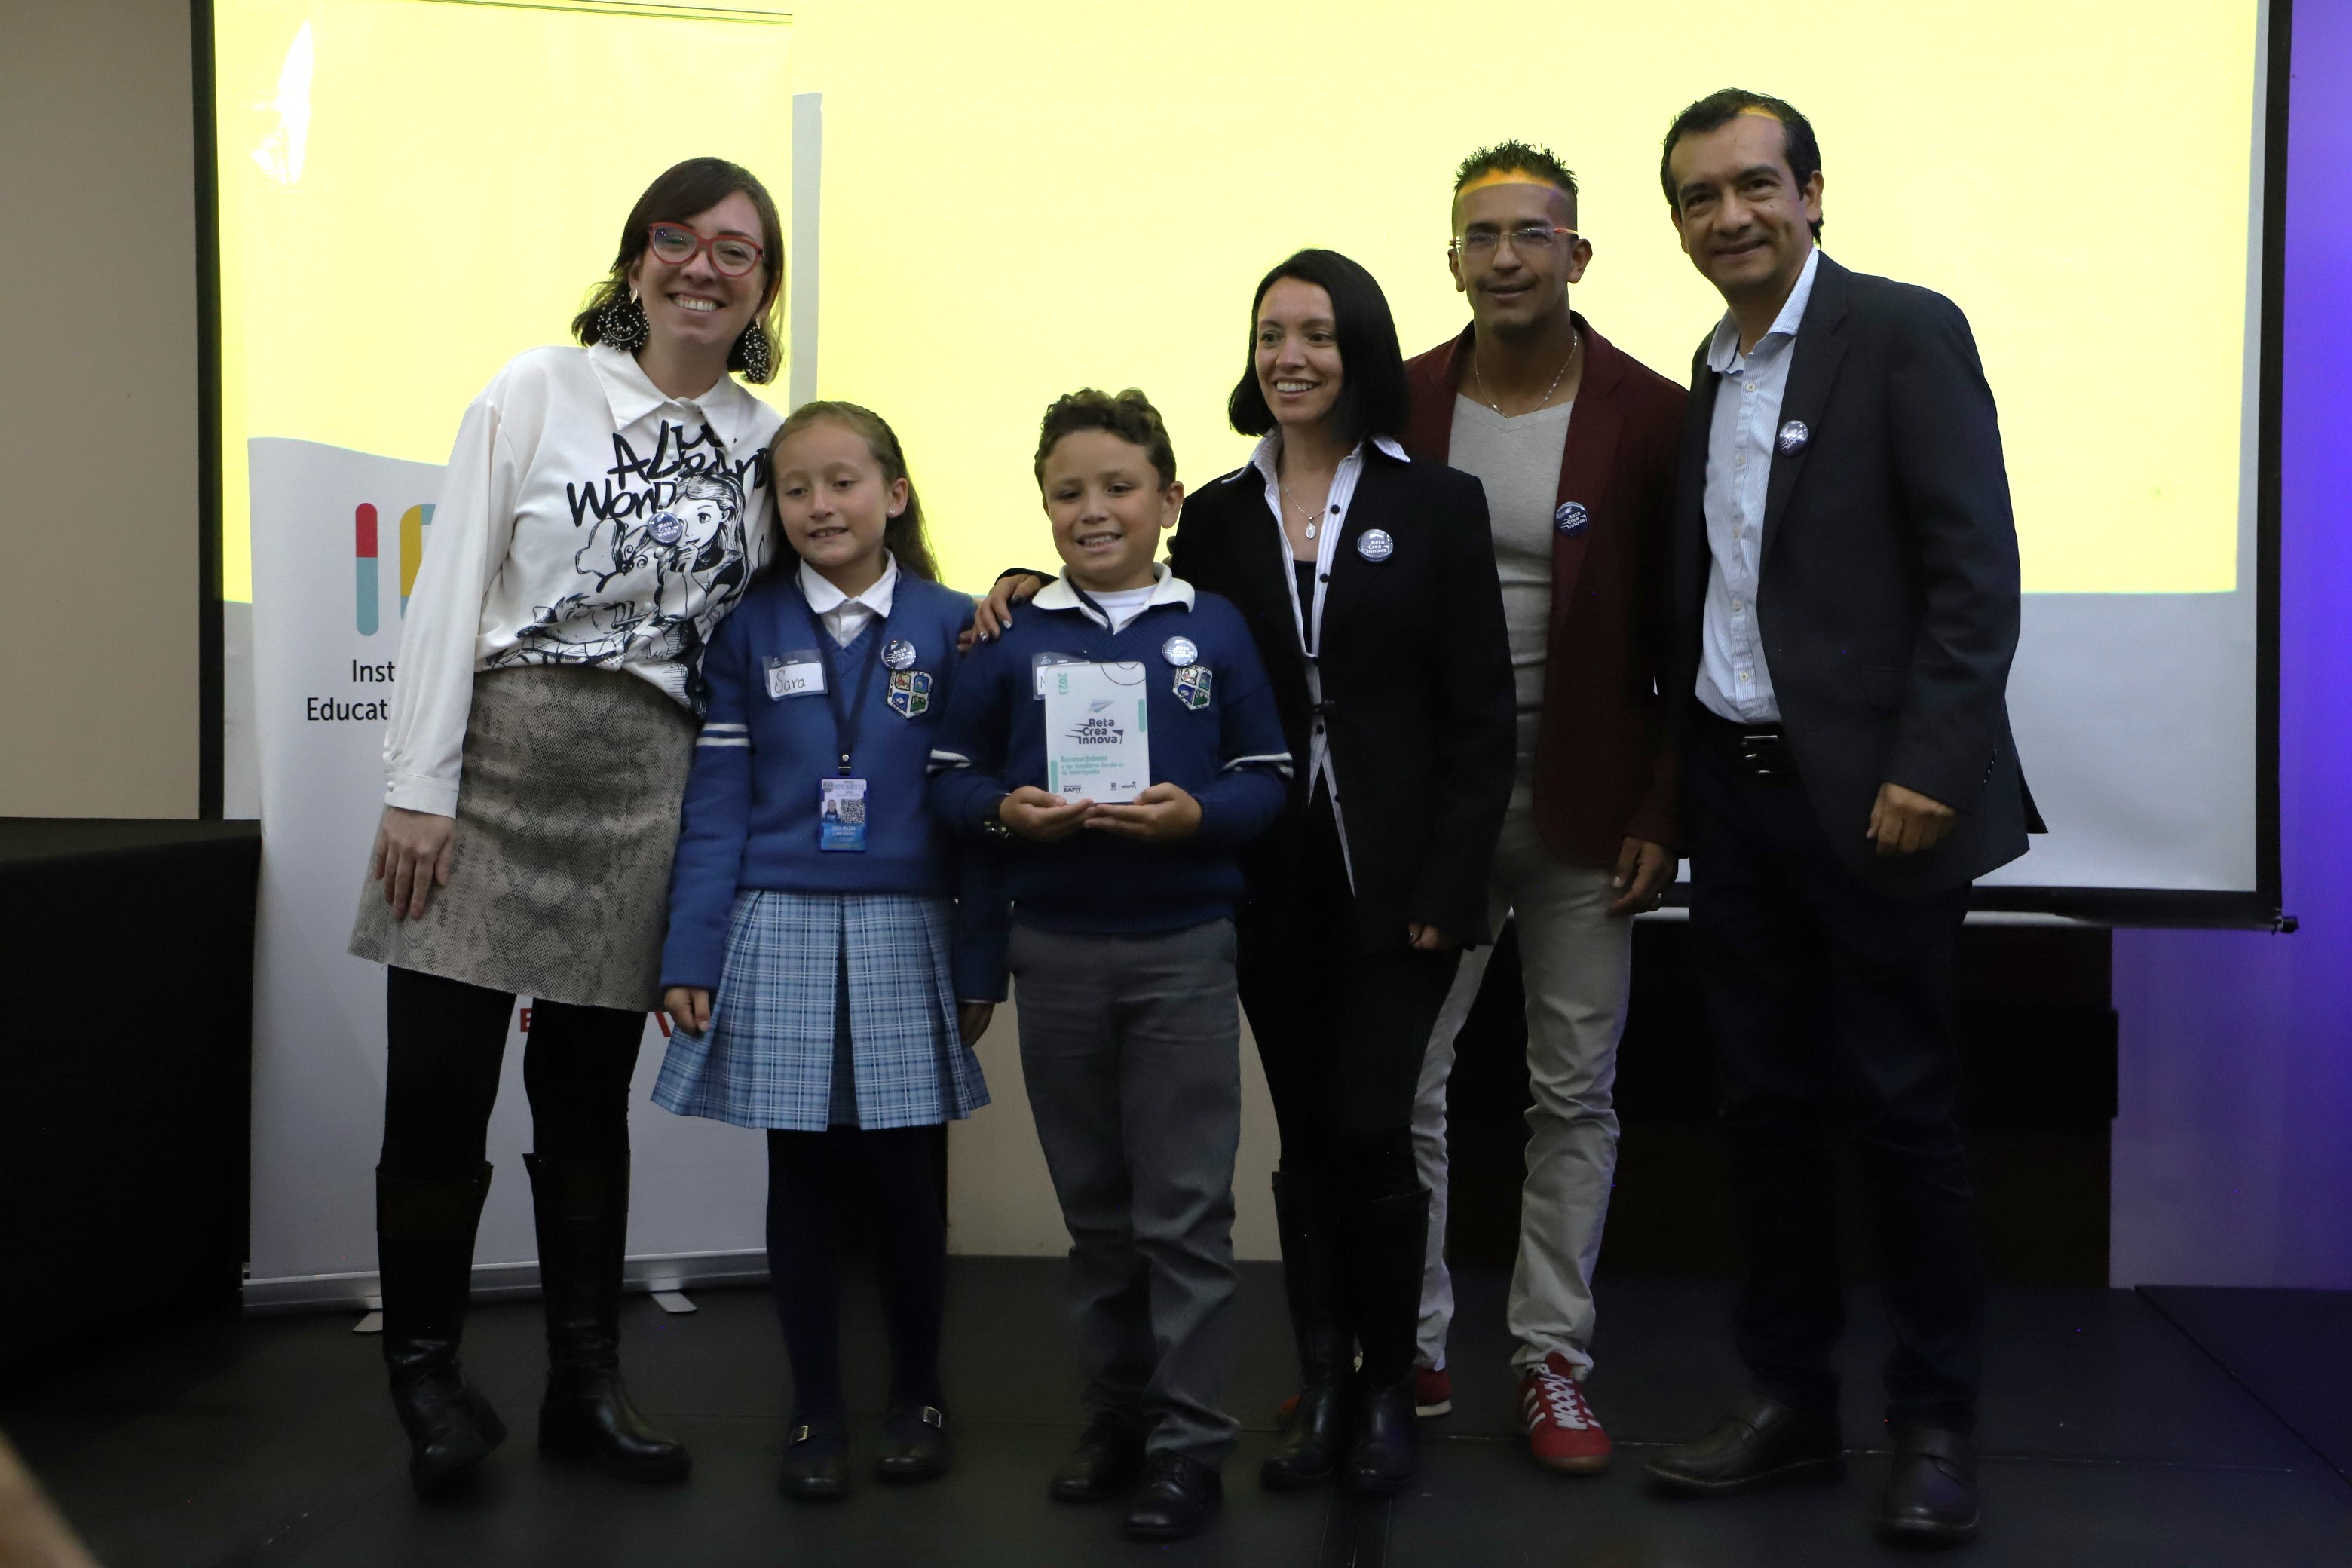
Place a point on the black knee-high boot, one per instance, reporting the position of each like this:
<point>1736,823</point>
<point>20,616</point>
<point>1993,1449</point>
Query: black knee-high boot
<point>1385,1238</point>
<point>425,1251</point>
<point>583,1208</point>
<point>1314,1435</point>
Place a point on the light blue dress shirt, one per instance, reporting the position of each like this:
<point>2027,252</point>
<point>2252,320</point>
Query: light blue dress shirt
<point>1733,680</point>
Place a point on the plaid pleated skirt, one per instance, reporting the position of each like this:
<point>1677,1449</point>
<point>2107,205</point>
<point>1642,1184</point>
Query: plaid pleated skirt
<point>768,1061</point>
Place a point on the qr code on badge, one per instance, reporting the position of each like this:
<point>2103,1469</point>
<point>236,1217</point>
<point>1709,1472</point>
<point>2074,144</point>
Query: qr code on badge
<point>849,813</point>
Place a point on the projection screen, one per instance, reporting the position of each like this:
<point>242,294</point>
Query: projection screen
<point>1022,198</point>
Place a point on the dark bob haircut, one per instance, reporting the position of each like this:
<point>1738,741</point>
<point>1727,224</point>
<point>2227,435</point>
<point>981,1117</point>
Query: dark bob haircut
<point>1129,417</point>
<point>1717,110</point>
<point>680,192</point>
<point>1372,390</point>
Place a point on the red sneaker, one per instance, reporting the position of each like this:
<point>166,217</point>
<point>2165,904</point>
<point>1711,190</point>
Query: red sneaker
<point>1562,1432</point>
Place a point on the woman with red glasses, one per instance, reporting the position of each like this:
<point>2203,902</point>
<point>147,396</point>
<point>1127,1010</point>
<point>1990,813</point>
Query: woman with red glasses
<point>601,511</point>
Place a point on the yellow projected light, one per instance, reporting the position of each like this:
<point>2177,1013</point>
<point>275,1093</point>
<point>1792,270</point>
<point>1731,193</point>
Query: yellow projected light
<point>1022,198</point>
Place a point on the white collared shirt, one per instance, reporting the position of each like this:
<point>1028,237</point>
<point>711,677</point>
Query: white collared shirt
<point>1733,680</point>
<point>586,517</point>
<point>1167,588</point>
<point>845,615</point>
<point>1308,617</point>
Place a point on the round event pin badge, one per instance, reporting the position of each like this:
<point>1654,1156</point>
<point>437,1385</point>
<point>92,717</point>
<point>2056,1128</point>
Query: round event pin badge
<point>897,654</point>
<point>1179,652</point>
<point>1375,544</point>
<point>1571,519</point>
<point>1794,438</point>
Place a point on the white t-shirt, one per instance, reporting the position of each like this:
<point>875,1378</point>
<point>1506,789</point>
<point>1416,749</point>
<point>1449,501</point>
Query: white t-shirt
<point>587,517</point>
<point>1517,460</point>
<point>1123,604</point>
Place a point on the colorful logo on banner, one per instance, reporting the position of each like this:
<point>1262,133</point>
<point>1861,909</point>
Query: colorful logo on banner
<point>413,523</point>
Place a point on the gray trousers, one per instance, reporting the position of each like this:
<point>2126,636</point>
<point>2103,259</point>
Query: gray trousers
<point>1131,1048</point>
<point>1577,960</point>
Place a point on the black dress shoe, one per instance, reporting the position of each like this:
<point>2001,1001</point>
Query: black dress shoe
<point>1931,1496</point>
<point>1178,1497</point>
<point>1764,1443</point>
<point>913,1445</point>
<point>1104,1464</point>
<point>1388,1442</point>
<point>816,1462</point>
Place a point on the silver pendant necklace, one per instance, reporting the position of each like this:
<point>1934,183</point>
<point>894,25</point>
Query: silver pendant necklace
<point>1313,519</point>
<point>1575,341</point>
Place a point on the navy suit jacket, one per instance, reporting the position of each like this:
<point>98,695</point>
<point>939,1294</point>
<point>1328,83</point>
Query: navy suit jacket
<point>1888,597</point>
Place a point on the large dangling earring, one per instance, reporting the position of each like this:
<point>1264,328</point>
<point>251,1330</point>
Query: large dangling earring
<point>622,324</point>
<point>752,347</point>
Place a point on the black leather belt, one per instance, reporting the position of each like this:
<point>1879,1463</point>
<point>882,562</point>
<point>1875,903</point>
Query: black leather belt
<point>1758,750</point>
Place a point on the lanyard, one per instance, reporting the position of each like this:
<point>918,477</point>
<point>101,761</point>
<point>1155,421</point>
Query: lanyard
<point>845,724</point>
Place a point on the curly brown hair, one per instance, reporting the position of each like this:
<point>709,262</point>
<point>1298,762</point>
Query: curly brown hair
<point>1128,415</point>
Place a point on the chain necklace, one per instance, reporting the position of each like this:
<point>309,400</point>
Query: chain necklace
<point>1313,517</point>
<point>1575,341</point>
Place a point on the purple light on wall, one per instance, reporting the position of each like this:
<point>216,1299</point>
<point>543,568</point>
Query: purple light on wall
<point>2232,1160</point>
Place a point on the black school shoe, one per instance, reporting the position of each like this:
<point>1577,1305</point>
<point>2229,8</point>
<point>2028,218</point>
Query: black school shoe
<point>1178,1496</point>
<point>1931,1495</point>
<point>913,1445</point>
<point>1763,1443</point>
<point>816,1461</point>
<point>1105,1463</point>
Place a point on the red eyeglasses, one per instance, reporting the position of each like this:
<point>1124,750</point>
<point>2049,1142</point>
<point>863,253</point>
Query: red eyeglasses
<point>732,254</point>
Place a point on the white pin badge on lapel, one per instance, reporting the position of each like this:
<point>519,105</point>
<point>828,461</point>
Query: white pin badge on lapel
<point>897,654</point>
<point>1179,652</point>
<point>1794,438</point>
<point>1374,544</point>
<point>1571,519</point>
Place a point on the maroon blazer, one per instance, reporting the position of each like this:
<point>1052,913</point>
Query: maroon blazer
<point>1604,765</point>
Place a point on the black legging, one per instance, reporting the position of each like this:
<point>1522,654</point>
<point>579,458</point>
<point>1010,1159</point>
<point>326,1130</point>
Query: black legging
<point>1341,1032</point>
<point>447,1043</point>
<point>809,1177</point>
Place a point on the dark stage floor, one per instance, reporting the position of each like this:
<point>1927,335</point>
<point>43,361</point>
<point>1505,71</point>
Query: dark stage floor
<point>2113,1436</point>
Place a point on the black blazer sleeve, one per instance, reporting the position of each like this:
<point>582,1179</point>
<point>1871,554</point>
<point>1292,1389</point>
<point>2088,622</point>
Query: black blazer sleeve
<point>1477,736</point>
<point>1953,490</point>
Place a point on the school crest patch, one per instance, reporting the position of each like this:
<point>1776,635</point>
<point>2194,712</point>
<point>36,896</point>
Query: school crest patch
<point>910,693</point>
<point>1192,683</point>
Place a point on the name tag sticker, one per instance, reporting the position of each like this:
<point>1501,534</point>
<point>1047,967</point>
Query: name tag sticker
<point>800,673</point>
<point>841,815</point>
<point>1040,663</point>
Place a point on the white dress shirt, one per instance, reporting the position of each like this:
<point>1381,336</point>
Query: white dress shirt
<point>845,615</point>
<point>1308,617</point>
<point>588,518</point>
<point>1733,680</point>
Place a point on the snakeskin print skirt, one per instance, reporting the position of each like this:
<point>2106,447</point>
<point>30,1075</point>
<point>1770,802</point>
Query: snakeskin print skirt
<point>567,821</point>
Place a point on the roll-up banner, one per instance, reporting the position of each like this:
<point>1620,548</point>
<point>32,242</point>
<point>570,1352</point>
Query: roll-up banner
<point>337,537</point>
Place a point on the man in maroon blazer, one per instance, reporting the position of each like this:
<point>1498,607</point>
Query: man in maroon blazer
<point>1575,442</point>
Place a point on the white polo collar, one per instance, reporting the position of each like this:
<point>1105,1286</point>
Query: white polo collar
<point>1167,588</point>
<point>1723,353</point>
<point>631,394</point>
<point>824,598</point>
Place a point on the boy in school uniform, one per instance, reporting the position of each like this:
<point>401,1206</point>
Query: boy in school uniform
<point>1122,738</point>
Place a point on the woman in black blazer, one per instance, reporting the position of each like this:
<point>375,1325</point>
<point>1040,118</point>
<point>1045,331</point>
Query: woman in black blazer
<point>1369,582</point>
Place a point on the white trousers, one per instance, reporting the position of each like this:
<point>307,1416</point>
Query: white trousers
<point>1577,960</point>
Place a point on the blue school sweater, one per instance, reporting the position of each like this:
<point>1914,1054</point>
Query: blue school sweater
<point>751,813</point>
<point>1226,750</point>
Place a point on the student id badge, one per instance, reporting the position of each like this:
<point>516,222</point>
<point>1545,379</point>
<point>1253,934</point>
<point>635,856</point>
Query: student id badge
<point>841,815</point>
<point>800,673</point>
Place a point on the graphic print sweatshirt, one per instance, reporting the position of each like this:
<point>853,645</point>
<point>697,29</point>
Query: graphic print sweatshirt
<point>587,518</point>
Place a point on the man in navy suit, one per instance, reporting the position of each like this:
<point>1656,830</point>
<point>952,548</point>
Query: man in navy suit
<point>1845,609</point>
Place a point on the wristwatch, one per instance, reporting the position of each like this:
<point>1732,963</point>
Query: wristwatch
<point>994,826</point>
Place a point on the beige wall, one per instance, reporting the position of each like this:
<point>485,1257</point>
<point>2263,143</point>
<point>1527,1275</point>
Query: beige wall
<point>98,521</point>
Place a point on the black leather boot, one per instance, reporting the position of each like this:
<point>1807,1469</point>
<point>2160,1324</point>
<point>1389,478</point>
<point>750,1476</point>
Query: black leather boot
<point>1315,1434</point>
<point>583,1207</point>
<point>1384,1242</point>
<point>424,1249</point>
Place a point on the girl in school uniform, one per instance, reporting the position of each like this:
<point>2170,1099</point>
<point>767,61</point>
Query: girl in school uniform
<point>827,979</point>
